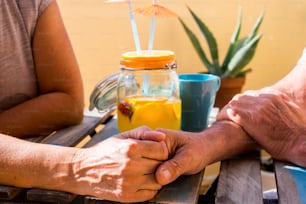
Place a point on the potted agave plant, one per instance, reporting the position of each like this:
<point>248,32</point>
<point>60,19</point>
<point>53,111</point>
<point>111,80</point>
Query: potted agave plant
<point>232,70</point>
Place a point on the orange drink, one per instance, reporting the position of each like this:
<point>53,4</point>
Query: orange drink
<point>148,91</point>
<point>154,112</point>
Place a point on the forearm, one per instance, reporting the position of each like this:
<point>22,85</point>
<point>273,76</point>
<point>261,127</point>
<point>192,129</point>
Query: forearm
<point>41,115</point>
<point>225,139</point>
<point>26,164</point>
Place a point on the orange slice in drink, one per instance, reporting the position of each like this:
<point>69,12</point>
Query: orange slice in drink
<point>151,114</point>
<point>149,110</point>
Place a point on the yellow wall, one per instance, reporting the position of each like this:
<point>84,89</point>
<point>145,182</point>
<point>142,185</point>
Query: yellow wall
<point>100,32</point>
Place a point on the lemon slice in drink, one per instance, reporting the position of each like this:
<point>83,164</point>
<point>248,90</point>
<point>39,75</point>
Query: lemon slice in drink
<point>149,111</point>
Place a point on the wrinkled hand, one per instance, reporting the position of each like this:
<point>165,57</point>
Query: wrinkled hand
<point>273,119</point>
<point>122,167</point>
<point>184,149</point>
<point>190,152</point>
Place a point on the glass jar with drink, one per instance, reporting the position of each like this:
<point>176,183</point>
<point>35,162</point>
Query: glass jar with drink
<point>145,92</point>
<point>148,91</point>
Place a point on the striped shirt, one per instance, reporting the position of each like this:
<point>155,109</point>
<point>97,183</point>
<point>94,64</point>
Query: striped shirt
<point>18,19</point>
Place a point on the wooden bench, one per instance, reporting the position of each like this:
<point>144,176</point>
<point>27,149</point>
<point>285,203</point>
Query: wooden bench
<point>239,180</point>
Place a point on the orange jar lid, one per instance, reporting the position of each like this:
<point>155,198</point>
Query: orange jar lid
<point>155,59</point>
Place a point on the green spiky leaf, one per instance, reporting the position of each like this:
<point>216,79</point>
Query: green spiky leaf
<point>210,39</point>
<point>233,44</point>
<point>239,53</point>
<point>242,57</point>
<point>256,26</point>
<point>197,45</point>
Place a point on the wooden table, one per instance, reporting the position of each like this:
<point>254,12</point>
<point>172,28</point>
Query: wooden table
<point>239,180</point>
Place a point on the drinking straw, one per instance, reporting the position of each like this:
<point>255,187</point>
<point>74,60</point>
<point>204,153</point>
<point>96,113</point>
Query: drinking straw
<point>152,30</point>
<point>133,23</point>
<point>134,27</point>
<point>145,84</point>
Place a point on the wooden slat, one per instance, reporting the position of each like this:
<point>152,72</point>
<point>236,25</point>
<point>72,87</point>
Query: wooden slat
<point>36,139</point>
<point>240,181</point>
<point>286,186</point>
<point>49,196</point>
<point>183,190</point>
<point>109,130</point>
<point>71,136</point>
<point>9,192</point>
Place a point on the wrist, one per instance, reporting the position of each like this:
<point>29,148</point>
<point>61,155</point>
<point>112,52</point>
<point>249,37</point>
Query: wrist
<point>71,178</point>
<point>56,169</point>
<point>227,139</point>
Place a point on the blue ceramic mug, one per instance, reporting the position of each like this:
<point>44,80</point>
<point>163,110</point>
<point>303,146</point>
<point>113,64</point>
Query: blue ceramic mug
<point>198,93</point>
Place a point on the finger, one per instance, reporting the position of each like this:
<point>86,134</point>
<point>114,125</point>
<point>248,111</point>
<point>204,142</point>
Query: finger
<point>144,133</point>
<point>241,106</point>
<point>222,115</point>
<point>140,195</point>
<point>229,113</point>
<point>227,110</point>
<point>148,182</point>
<point>144,188</point>
<point>153,135</point>
<point>143,166</point>
<point>178,165</point>
<point>154,150</point>
<point>144,195</point>
<point>174,139</point>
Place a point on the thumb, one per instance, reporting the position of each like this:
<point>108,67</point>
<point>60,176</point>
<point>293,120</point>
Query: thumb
<point>170,170</point>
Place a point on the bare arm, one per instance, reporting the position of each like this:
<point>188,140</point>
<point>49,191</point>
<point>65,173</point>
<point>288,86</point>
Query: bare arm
<point>26,164</point>
<point>119,168</point>
<point>61,100</point>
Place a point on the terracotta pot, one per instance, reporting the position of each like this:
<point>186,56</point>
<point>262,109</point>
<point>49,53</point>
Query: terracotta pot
<point>228,88</point>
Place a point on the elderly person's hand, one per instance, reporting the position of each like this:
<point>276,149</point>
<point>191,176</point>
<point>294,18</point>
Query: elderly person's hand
<point>191,152</point>
<point>122,167</point>
<point>273,120</point>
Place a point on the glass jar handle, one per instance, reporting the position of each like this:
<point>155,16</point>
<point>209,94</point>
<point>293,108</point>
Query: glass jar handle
<point>103,96</point>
